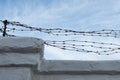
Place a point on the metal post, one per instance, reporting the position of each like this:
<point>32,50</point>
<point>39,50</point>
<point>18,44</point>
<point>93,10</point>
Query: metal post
<point>5,27</point>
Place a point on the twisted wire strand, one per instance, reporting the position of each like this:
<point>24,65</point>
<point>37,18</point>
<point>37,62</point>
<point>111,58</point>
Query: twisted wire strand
<point>66,32</point>
<point>105,52</point>
<point>70,45</point>
<point>8,35</point>
<point>82,42</point>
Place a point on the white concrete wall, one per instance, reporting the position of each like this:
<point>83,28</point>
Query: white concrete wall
<point>15,73</point>
<point>78,70</point>
<point>76,77</point>
<point>19,57</point>
<point>23,59</point>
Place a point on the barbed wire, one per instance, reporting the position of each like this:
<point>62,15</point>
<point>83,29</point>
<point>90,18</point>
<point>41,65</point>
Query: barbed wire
<point>8,35</point>
<point>99,48</point>
<point>66,32</point>
<point>73,46</point>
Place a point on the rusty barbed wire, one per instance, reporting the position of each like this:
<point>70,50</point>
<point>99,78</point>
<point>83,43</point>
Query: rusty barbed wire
<point>99,48</point>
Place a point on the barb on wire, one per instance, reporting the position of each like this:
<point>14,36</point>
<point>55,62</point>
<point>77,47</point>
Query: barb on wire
<point>8,35</point>
<point>5,22</point>
<point>86,46</point>
<point>66,32</point>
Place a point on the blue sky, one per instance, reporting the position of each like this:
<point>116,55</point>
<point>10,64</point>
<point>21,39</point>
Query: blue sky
<point>83,15</point>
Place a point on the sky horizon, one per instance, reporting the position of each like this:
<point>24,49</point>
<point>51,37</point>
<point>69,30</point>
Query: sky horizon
<point>80,15</point>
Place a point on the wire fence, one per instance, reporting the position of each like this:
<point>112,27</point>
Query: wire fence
<point>72,45</point>
<point>86,46</point>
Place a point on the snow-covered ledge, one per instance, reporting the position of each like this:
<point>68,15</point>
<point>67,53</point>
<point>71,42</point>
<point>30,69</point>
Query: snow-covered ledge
<point>78,70</point>
<point>19,56</point>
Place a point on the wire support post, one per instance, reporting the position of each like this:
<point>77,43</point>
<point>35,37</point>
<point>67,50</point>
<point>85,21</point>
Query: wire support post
<point>5,22</point>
